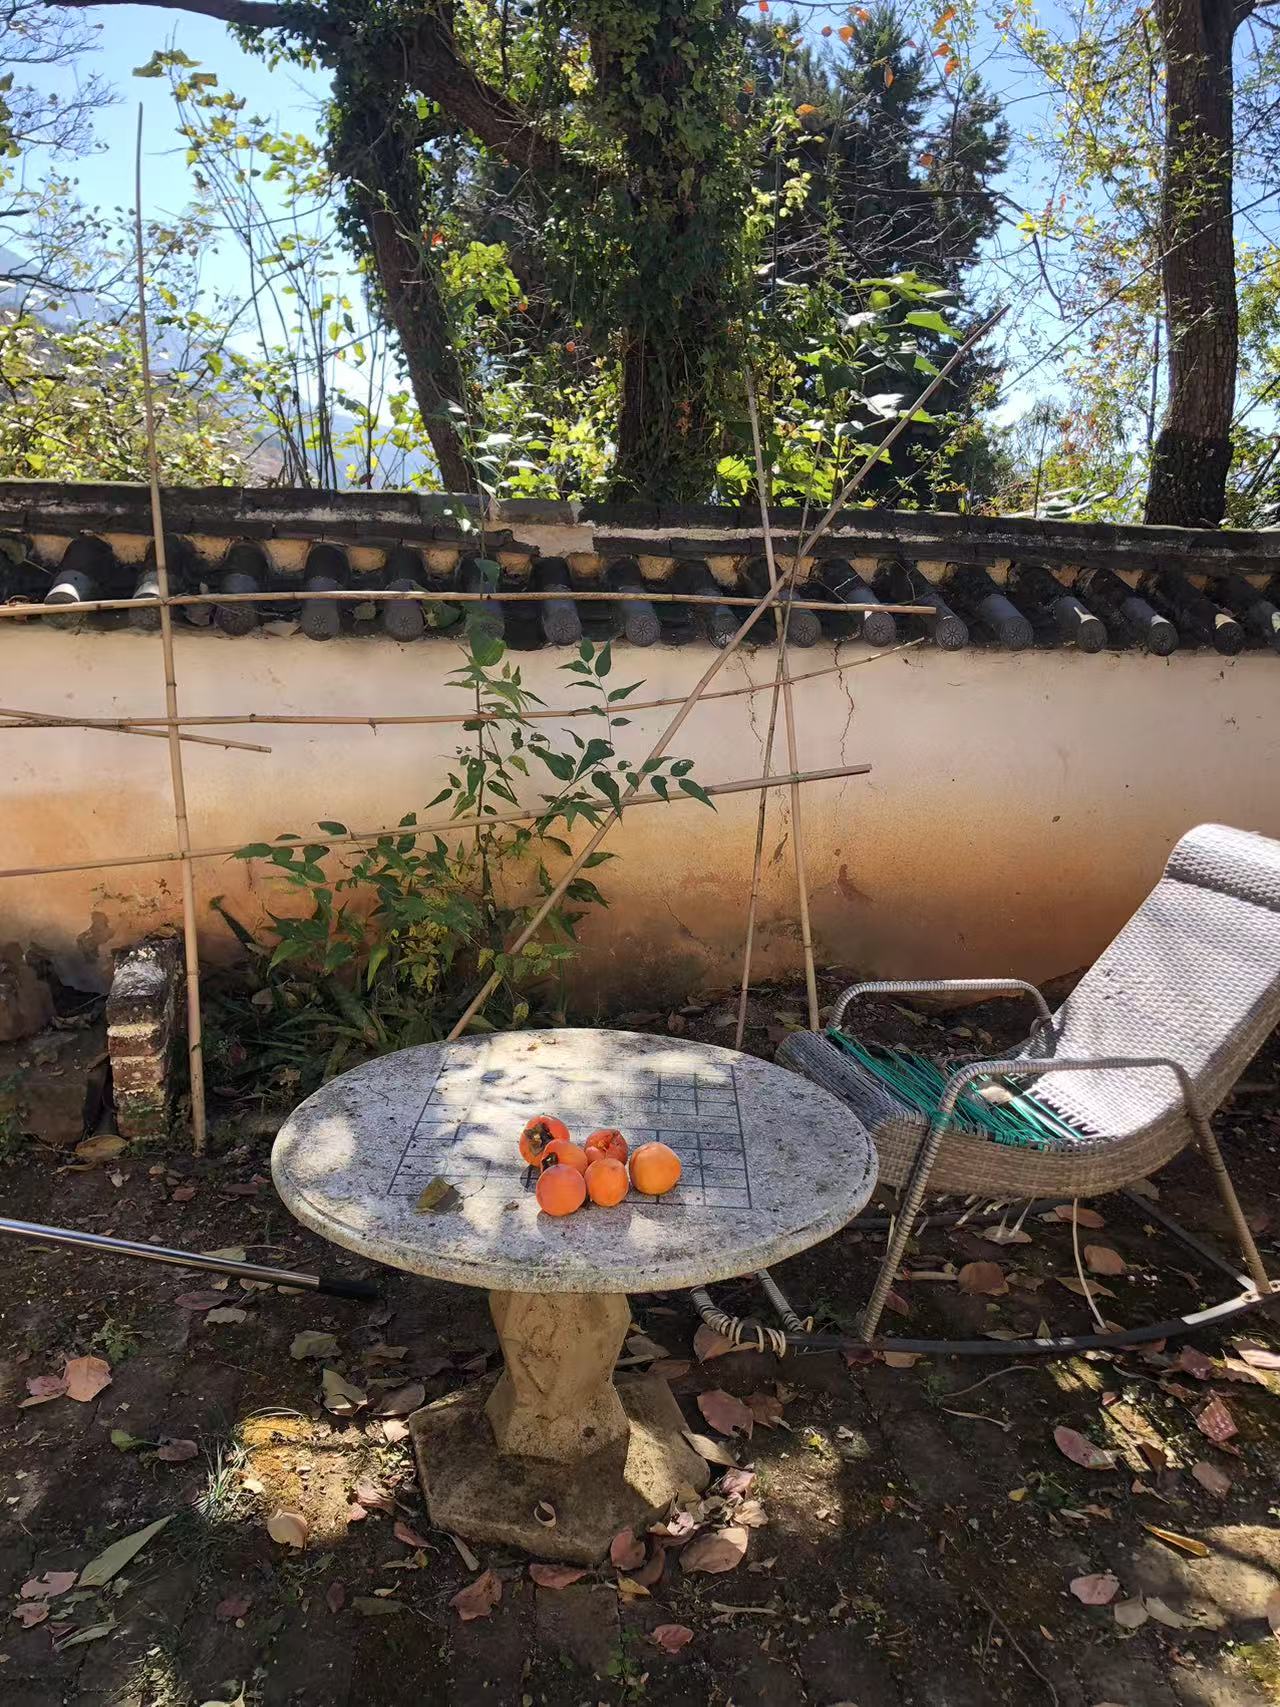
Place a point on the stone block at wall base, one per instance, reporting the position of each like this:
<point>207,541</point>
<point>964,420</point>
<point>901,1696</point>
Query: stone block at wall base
<point>143,1012</point>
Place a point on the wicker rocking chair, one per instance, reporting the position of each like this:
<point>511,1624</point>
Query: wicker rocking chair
<point>1125,1074</point>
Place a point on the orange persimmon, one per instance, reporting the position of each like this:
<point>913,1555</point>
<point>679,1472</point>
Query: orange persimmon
<point>606,1142</point>
<point>654,1169</point>
<point>561,1153</point>
<point>538,1134</point>
<point>560,1190</point>
<point>606,1181</point>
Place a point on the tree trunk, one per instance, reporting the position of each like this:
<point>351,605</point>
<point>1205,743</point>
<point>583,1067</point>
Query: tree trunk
<point>415,308</point>
<point>1188,479</point>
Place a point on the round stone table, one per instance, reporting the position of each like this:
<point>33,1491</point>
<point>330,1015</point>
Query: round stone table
<point>771,1165</point>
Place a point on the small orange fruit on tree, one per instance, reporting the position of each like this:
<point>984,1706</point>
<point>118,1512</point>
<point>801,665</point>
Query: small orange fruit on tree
<point>606,1142</point>
<point>606,1181</point>
<point>538,1134</point>
<point>561,1153</point>
<point>560,1190</point>
<point>655,1168</point>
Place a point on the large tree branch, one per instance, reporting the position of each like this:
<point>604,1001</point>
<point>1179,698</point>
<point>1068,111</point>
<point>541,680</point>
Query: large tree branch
<point>432,65</point>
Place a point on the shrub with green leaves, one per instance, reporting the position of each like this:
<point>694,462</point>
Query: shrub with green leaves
<point>395,933</point>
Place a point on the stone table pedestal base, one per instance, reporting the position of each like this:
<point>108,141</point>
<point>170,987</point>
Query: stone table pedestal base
<point>555,1429</point>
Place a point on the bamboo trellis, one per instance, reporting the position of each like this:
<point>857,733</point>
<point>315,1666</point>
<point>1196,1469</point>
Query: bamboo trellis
<point>173,727</point>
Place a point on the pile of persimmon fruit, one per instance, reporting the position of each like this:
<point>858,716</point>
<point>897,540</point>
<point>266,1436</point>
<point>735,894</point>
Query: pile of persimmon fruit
<point>600,1170</point>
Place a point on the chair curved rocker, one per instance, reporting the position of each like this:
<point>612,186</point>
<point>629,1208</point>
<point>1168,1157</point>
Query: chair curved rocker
<point>1144,1049</point>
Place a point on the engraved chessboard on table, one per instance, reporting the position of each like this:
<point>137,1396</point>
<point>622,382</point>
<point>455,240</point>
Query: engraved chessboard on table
<point>772,1163</point>
<point>467,1130</point>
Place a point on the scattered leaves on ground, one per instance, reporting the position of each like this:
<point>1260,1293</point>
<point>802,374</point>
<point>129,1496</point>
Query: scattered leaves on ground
<point>403,1401</point>
<point>556,1576</point>
<point>1101,1259</point>
<point>477,1599</point>
<point>410,1536</point>
<point>312,1343</point>
<point>1216,1422</point>
<point>378,1606</point>
<point>1130,1614</point>
<point>42,1388</point>
<point>1100,1589</point>
<point>1211,1479</point>
<point>289,1528</point>
<point>227,1313</point>
<point>176,1451</point>
<point>117,1556</point>
<point>708,1344</point>
<point>1183,1543</point>
<point>671,1637</point>
<point>716,1551</point>
<point>233,1607</point>
<point>47,1587</point>
<point>1074,1446</point>
<point>625,1551</point>
<point>1085,1288</point>
<point>341,1399</point>
<point>1083,1216</point>
<point>983,1280</point>
<point>726,1413</point>
<point>335,1596</point>
<point>766,1408</point>
<point>373,1496</point>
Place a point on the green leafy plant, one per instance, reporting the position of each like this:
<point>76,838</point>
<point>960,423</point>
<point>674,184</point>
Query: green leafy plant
<point>392,936</point>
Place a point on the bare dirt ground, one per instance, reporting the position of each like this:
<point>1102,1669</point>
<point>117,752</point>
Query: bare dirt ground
<point>912,1533</point>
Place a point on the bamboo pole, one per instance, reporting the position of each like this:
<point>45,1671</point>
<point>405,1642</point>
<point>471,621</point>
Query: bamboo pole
<point>38,719</point>
<point>195,1044</point>
<point>391,595</point>
<point>708,675</point>
<point>781,621</point>
<point>115,726</point>
<point>757,866</point>
<point>445,827</point>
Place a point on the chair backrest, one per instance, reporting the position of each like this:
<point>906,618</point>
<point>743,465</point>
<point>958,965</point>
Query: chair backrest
<point>1195,975</point>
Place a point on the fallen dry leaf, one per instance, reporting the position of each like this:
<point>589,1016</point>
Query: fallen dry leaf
<point>176,1451</point>
<point>983,1280</point>
<point>114,1558</point>
<point>1211,1479</point>
<point>708,1344</point>
<point>1083,1217</point>
<point>1216,1422</point>
<point>86,1377</point>
<point>671,1637</point>
<point>897,1303</point>
<point>650,1573</point>
<point>1085,1288</point>
<point>29,1612</point>
<point>1164,1614</point>
<point>750,1514</point>
<point>726,1413</point>
<point>373,1496</point>
<point>340,1399</point>
<point>402,1401</point>
<point>406,1533</point>
<point>335,1596</point>
<point>227,1313</point>
<point>1260,1356</point>
<point>555,1576</point>
<point>1129,1614</point>
<point>766,1408</point>
<point>1097,1590</point>
<point>625,1551</point>
<point>49,1586</point>
<point>716,1551</point>
<point>104,1148</point>
<point>736,1481</point>
<point>670,1368</point>
<point>42,1388</point>
<point>1183,1543</point>
<point>393,1430</point>
<point>182,1194</point>
<point>1101,1259</point>
<point>1193,1362</point>
<point>901,1359</point>
<point>629,1589</point>
<point>198,1300</point>
<point>376,1605</point>
<point>711,1450</point>
<point>289,1528</point>
<point>312,1343</point>
<point>1083,1452</point>
<point>234,1606</point>
<point>1002,1235</point>
<point>478,1599</point>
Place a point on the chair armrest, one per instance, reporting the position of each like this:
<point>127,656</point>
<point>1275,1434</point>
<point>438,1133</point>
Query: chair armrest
<point>950,986</point>
<point>1029,1068</point>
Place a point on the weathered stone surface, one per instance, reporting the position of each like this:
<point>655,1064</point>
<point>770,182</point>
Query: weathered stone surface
<point>43,1087</point>
<point>142,1021</point>
<point>26,1004</point>
<point>489,1496</point>
<point>772,1163</point>
<point>555,1398</point>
